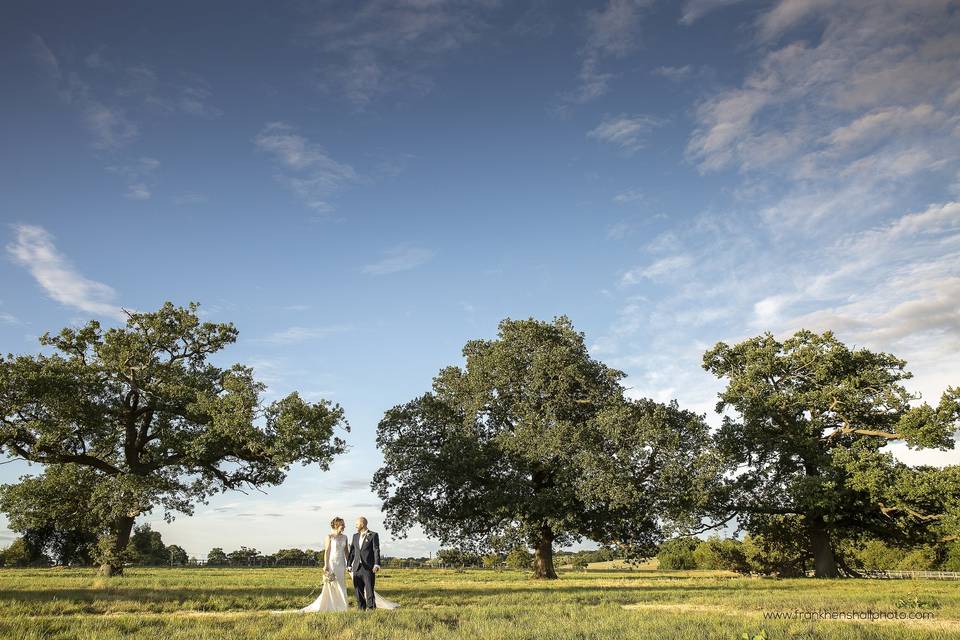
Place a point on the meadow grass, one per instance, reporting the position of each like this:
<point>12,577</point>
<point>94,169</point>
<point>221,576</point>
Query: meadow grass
<point>176,604</point>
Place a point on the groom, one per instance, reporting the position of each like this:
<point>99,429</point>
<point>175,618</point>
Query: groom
<point>364,562</point>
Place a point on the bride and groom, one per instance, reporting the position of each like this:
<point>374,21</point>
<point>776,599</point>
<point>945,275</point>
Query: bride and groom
<point>362,558</point>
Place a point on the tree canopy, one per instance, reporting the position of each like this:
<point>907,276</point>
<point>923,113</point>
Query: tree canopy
<point>533,437</point>
<point>143,408</point>
<point>55,511</point>
<point>811,425</point>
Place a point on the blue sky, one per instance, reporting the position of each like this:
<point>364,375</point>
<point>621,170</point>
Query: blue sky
<point>362,187</point>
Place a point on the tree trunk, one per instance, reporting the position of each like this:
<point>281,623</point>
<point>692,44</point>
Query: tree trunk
<point>543,558</point>
<point>113,566</point>
<point>824,562</point>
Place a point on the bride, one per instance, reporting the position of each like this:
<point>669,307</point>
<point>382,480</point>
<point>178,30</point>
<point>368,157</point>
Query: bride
<point>334,594</point>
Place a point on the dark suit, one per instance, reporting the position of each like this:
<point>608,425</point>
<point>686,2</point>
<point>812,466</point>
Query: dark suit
<point>362,558</point>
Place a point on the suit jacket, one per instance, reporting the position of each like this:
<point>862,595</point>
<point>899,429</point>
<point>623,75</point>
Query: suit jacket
<point>367,554</point>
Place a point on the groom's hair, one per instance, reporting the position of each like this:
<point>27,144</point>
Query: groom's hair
<point>337,522</point>
<point>364,520</point>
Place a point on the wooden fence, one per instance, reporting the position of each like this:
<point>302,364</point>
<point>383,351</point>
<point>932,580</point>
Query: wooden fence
<point>907,575</point>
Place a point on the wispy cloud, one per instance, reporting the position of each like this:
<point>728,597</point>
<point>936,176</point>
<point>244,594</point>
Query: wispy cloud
<point>114,100</point>
<point>674,73</point>
<point>137,191</point>
<point>188,199</point>
<point>189,94</point>
<point>625,131</point>
<point>44,56</point>
<point>140,176</point>
<point>630,195</point>
<point>400,258</point>
<point>611,32</point>
<point>109,125</point>
<point>34,249</point>
<point>294,335</point>
<point>693,10</point>
<point>355,484</point>
<point>875,86</point>
<point>305,167</point>
<point>380,47</point>
<point>657,269</point>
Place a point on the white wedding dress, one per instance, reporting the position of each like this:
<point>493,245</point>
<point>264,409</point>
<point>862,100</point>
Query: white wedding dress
<point>334,594</point>
<point>333,597</point>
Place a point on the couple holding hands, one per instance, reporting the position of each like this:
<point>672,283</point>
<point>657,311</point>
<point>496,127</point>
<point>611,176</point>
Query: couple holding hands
<point>362,558</point>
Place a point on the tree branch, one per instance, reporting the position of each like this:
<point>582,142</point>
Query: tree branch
<point>82,459</point>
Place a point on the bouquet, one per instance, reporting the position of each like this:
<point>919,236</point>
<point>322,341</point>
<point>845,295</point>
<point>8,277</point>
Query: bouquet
<point>329,576</point>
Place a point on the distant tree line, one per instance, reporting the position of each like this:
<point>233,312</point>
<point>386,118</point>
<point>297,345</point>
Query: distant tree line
<point>520,558</point>
<point>146,549</point>
<point>773,556</point>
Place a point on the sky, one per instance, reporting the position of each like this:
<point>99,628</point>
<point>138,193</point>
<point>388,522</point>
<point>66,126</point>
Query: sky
<point>361,187</point>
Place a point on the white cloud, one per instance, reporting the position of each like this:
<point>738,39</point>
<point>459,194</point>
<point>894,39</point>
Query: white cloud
<point>626,132</point>
<point>788,13</point>
<point>674,73</point>
<point>884,122</point>
<point>189,95</point>
<point>34,249</point>
<point>105,94</point>
<point>630,195</point>
<point>110,126</point>
<point>379,47</point>
<point>657,269</point>
<point>767,312</point>
<point>611,32</point>
<point>137,191</point>
<point>306,169</point>
<point>693,10</point>
<point>45,57</point>
<point>140,176</point>
<point>834,131</point>
<point>877,73</point>
<point>295,335</point>
<point>189,198</point>
<point>400,258</point>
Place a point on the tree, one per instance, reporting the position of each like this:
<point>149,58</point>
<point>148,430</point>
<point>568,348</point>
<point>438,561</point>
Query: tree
<point>177,555</point>
<point>877,555</point>
<point>243,555</point>
<point>147,548</point>
<point>51,510</point>
<point>216,557</point>
<point>717,553</point>
<point>951,561</point>
<point>519,559</point>
<point>536,437</point>
<point>491,561</point>
<point>677,554</point>
<point>298,557</point>
<point>923,558</point>
<point>22,554</point>
<point>813,417</point>
<point>458,557</point>
<point>142,406</point>
<point>785,555</point>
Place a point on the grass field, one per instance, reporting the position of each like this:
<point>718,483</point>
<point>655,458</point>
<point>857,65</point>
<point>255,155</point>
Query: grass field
<point>176,604</point>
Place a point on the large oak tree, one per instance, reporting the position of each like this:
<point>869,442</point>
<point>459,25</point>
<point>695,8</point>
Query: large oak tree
<point>811,425</point>
<point>534,437</point>
<point>143,408</point>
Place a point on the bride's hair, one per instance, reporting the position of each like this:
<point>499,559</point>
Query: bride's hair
<point>337,522</point>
